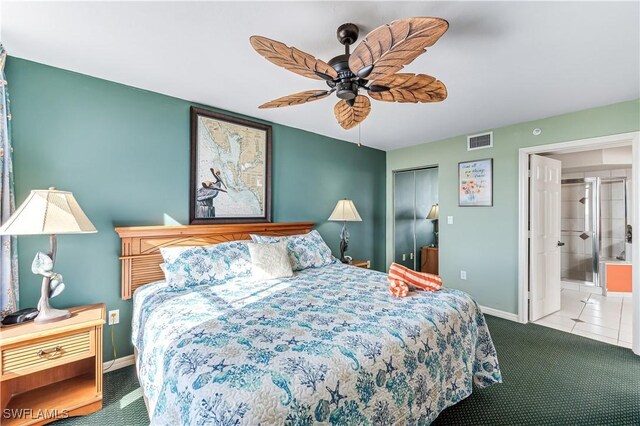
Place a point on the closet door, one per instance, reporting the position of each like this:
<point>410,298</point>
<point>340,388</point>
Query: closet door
<point>426,196</point>
<point>404,218</point>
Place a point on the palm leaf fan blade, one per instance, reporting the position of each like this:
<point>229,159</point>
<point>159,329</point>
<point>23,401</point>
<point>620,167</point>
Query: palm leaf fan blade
<point>296,99</point>
<point>350,116</point>
<point>387,49</point>
<point>409,88</point>
<point>292,59</point>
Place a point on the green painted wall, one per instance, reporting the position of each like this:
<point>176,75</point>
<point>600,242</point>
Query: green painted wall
<point>124,153</point>
<point>484,240</point>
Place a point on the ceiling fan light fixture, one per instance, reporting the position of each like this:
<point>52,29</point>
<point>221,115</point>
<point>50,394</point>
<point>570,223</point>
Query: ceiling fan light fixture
<point>375,62</point>
<point>347,90</point>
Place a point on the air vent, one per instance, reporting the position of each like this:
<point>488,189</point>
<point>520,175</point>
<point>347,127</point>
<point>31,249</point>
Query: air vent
<point>483,140</point>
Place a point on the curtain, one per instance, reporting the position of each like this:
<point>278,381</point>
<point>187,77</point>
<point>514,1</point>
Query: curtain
<point>9,254</point>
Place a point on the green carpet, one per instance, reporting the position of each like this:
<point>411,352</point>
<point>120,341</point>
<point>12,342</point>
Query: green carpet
<point>117,385</point>
<point>553,378</point>
<point>550,378</point>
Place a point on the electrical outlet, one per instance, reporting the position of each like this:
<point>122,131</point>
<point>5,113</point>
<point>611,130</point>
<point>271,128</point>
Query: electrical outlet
<point>463,275</point>
<point>449,220</point>
<point>114,317</point>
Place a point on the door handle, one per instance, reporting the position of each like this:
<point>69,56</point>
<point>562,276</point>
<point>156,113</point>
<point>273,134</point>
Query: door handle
<point>560,243</point>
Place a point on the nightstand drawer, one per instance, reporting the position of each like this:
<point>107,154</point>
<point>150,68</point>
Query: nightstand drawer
<point>48,353</point>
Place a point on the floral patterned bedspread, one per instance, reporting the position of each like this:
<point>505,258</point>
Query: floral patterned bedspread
<point>327,346</point>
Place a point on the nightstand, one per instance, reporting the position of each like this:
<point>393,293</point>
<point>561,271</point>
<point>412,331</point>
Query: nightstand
<point>361,263</point>
<point>429,260</point>
<point>53,370</point>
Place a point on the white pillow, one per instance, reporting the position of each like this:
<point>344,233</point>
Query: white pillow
<point>305,250</point>
<point>270,261</point>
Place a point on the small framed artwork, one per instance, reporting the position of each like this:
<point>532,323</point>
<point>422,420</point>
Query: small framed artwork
<point>230,169</point>
<point>475,183</point>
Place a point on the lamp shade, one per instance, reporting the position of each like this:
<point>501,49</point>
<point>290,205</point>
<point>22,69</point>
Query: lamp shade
<point>345,211</point>
<point>48,212</point>
<point>434,212</point>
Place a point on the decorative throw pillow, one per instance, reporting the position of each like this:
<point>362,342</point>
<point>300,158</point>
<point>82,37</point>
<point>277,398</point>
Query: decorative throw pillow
<point>270,261</point>
<point>428,282</point>
<point>305,250</point>
<point>192,265</point>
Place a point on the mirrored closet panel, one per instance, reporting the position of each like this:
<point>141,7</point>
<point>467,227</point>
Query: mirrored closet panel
<point>415,193</point>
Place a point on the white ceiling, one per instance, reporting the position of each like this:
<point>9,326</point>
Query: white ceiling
<point>502,62</point>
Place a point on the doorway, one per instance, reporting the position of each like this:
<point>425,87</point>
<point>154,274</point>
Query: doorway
<point>415,193</point>
<point>582,275</point>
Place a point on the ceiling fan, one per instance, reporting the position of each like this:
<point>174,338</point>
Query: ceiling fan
<point>371,68</point>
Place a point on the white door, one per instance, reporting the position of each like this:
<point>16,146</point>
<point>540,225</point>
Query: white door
<point>544,238</point>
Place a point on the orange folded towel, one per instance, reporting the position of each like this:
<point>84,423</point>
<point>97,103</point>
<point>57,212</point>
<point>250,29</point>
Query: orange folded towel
<point>422,280</point>
<point>398,288</point>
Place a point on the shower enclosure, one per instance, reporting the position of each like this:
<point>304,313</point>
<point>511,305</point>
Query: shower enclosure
<point>593,224</point>
<point>579,230</point>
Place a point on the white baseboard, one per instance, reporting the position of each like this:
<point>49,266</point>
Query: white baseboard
<point>500,314</point>
<point>118,363</point>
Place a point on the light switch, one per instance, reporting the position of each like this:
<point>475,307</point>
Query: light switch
<point>449,220</point>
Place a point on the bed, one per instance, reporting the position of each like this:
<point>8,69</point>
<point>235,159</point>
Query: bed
<point>326,346</point>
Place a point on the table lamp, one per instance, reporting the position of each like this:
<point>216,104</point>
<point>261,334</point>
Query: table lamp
<point>433,215</point>
<point>48,212</point>
<point>345,211</point>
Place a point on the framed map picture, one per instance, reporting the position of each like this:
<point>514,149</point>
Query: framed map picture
<point>475,183</point>
<point>230,169</point>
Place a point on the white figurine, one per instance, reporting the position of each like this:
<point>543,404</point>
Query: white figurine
<point>43,265</point>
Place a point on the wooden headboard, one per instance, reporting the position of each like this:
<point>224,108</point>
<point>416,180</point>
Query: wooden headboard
<point>141,245</point>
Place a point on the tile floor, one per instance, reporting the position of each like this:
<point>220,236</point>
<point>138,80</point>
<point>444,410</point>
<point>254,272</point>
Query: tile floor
<point>587,314</point>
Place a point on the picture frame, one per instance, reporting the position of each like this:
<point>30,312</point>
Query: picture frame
<point>475,183</point>
<point>230,169</point>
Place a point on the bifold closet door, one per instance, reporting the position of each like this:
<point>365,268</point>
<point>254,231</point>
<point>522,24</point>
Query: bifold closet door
<point>404,218</point>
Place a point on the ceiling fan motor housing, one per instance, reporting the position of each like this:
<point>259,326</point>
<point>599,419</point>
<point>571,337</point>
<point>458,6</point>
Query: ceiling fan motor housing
<point>347,86</point>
